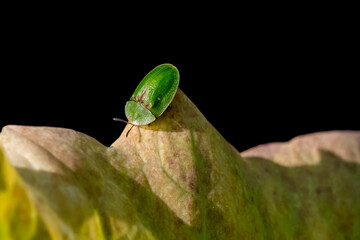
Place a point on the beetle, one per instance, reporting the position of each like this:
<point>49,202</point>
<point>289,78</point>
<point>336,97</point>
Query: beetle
<point>152,96</point>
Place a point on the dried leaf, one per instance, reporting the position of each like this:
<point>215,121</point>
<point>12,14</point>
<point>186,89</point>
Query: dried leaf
<point>177,178</point>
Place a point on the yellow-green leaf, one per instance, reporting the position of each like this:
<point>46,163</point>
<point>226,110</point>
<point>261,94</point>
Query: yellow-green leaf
<point>177,178</point>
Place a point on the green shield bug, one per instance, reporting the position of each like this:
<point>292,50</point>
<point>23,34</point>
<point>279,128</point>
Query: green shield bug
<point>152,96</point>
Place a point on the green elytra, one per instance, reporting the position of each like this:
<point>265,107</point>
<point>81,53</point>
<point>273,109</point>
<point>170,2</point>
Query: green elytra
<point>153,95</point>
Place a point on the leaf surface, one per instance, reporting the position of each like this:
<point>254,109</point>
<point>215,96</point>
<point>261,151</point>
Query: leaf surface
<point>177,178</point>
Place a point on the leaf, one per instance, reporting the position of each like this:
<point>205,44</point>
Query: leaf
<point>177,178</point>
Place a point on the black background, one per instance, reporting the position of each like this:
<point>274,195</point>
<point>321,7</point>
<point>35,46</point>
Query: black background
<point>257,78</point>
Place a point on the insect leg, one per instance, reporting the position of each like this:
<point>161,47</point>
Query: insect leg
<point>121,120</point>
<point>129,130</point>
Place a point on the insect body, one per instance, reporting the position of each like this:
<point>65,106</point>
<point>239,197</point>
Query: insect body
<point>152,96</point>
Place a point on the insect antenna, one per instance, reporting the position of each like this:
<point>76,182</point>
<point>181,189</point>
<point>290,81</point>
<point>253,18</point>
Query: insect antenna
<point>121,120</point>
